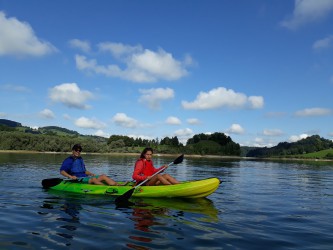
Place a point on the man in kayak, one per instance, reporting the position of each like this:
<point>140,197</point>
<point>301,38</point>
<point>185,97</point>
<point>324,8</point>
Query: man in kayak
<point>73,167</point>
<point>144,169</point>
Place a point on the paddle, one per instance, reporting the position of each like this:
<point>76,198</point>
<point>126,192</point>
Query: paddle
<point>51,182</point>
<point>47,183</point>
<point>125,197</point>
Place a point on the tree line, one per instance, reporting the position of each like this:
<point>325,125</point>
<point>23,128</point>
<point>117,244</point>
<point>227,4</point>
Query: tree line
<point>56,139</point>
<point>308,145</point>
<point>14,136</point>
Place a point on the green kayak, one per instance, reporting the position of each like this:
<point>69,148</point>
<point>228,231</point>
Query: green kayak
<point>187,189</point>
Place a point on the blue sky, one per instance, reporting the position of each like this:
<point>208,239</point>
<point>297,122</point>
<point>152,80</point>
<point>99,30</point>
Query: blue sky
<point>259,71</point>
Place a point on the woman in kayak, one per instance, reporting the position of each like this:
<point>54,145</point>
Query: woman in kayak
<point>144,169</point>
<point>73,167</point>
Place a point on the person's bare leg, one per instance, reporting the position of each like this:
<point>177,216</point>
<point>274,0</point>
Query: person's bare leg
<point>107,180</point>
<point>95,181</point>
<point>170,179</point>
<point>158,180</point>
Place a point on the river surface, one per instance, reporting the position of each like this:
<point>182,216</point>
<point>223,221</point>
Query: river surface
<point>259,205</point>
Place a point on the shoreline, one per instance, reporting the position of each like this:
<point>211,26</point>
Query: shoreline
<point>169,155</point>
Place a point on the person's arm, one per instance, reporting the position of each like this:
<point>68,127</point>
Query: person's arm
<point>164,167</point>
<point>64,173</point>
<point>65,168</point>
<point>137,174</point>
<point>89,173</point>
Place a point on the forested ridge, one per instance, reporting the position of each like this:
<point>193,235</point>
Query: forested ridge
<point>304,146</point>
<point>15,136</point>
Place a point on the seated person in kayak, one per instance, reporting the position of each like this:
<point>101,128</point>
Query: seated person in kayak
<point>73,167</point>
<point>144,169</point>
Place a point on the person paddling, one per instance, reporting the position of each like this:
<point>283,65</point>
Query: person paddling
<point>144,169</point>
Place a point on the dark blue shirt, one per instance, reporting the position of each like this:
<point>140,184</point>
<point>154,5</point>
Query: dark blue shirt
<point>74,166</point>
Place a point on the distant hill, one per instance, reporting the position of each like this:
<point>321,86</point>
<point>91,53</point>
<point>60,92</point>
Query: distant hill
<point>14,136</point>
<point>245,150</point>
<point>308,145</point>
<point>10,123</point>
<point>57,130</point>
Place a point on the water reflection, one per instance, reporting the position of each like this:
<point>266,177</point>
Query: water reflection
<point>73,210</point>
<point>147,220</point>
<point>150,217</point>
<point>70,217</point>
<point>203,206</point>
<point>144,219</point>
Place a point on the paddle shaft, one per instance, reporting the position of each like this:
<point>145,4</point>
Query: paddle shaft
<point>143,182</point>
<point>159,171</point>
<point>124,197</point>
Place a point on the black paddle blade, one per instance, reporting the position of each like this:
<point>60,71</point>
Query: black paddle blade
<point>47,183</point>
<point>179,159</point>
<point>124,197</point>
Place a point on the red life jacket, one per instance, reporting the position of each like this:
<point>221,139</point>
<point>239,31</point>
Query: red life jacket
<point>148,168</point>
<point>142,169</point>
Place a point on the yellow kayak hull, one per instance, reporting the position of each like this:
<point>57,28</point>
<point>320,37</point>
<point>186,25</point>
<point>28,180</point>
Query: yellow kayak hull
<point>187,189</point>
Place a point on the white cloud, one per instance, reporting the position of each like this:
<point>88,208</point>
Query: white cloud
<point>272,132</point>
<point>141,65</point>
<point>308,11</point>
<point>119,50</point>
<point>184,134</point>
<point>84,122</point>
<point>80,44</point>
<point>156,65</point>
<point>323,43</point>
<point>193,121</point>
<point>260,142</point>
<point>121,119</point>
<point>70,95</point>
<point>222,97</point>
<point>295,138</point>
<point>82,63</point>
<point>14,88</point>
<point>19,39</point>
<point>235,129</point>
<point>153,97</point>
<point>256,102</point>
<point>46,113</point>
<point>147,137</point>
<point>314,112</point>
<point>101,133</point>
<point>172,120</point>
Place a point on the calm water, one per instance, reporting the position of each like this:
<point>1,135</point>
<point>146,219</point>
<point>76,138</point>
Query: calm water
<point>259,205</point>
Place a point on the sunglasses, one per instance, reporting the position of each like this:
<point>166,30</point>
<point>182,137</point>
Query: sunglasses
<point>78,150</point>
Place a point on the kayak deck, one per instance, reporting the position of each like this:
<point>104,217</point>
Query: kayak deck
<point>187,189</point>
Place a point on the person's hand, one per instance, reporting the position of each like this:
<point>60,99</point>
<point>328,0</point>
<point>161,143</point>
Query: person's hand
<point>166,166</point>
<point>73,177</point>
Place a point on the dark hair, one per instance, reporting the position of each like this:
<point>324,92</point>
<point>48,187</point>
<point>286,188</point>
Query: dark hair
<point>77,147</point>
<point>142,156</point>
